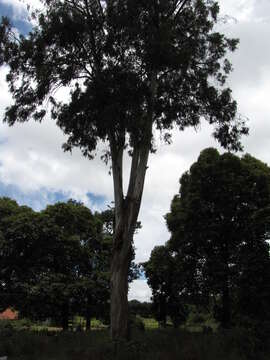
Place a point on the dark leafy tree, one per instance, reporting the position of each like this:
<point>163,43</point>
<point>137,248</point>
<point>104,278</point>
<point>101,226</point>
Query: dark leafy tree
<point>132,67</point>
<point>9,211</point>
<point>25,254</point>
<point>168,286</point>
<point>76,262</point>
<point>220,223</point>
<point>55,263</point>
<point>8,208</point>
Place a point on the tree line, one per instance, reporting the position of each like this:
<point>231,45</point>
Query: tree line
<point>217,257</point>
<point>56,263</point>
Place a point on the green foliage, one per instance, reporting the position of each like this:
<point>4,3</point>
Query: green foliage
<point>59,258</point>
<point>110,54</point>
<point>150,324</point>
<point>54,263</point>
<point>219,223</point>
<point>167,284</point>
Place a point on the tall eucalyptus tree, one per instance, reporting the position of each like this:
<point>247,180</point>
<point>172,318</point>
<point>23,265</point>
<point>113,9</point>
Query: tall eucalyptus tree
<point>132,67</point>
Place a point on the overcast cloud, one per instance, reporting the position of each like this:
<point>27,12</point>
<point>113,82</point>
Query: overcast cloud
<point>32,161</point>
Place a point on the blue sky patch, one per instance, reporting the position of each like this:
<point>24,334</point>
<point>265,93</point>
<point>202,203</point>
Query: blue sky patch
<point>22,24</point>
<point>39,199</point>
<point>97,200</point>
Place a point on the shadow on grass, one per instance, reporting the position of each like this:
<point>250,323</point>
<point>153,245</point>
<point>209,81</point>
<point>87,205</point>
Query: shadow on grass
<point>150,345</point>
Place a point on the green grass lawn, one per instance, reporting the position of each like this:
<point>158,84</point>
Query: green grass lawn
<point>150,323</point>
<point>22,340</point>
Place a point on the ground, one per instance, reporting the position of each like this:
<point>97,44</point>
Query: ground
<point>155,344</point>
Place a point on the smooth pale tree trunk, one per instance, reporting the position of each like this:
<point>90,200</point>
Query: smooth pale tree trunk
<point>126,213</point>
<point>119,291</point>
<point>120,265</point>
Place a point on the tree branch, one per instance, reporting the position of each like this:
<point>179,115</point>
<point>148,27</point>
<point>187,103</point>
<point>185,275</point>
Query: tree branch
<point>133,171</point>
<point>117,169</point>
<point>178,12</point>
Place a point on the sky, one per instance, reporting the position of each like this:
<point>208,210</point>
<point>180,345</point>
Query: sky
<point>35,171</point>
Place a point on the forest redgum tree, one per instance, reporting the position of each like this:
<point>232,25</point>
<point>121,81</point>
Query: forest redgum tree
<point>132,67</point>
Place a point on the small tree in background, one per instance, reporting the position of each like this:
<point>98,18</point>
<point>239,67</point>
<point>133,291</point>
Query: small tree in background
<point>132,67</point>
<point>166,280</point>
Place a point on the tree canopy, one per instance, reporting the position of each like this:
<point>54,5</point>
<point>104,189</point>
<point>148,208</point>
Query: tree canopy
<point>219,223</point>
<point>107,51</point>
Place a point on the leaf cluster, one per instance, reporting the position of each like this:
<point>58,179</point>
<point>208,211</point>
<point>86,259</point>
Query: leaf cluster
<point>54,257</point>
<point>113,56</point>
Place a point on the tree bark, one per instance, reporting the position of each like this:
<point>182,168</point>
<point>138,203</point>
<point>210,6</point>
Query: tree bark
<point>119,290</point>
<point>126,213</point>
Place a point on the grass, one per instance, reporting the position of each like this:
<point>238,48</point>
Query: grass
<point>149,345</point>
<point>150,323</point>
<point>21,340</point>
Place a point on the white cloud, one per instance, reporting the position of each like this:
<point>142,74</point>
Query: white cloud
<point>241,10</point>
<point>21,5</point>
<point>139,290</point>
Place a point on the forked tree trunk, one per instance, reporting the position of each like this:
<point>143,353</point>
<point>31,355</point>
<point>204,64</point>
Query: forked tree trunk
<point>126,215</point>
<point>120,265</point>
<point>126,212</point>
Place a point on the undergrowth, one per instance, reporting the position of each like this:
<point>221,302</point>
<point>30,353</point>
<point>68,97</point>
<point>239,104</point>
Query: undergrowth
<point>168,344</point>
